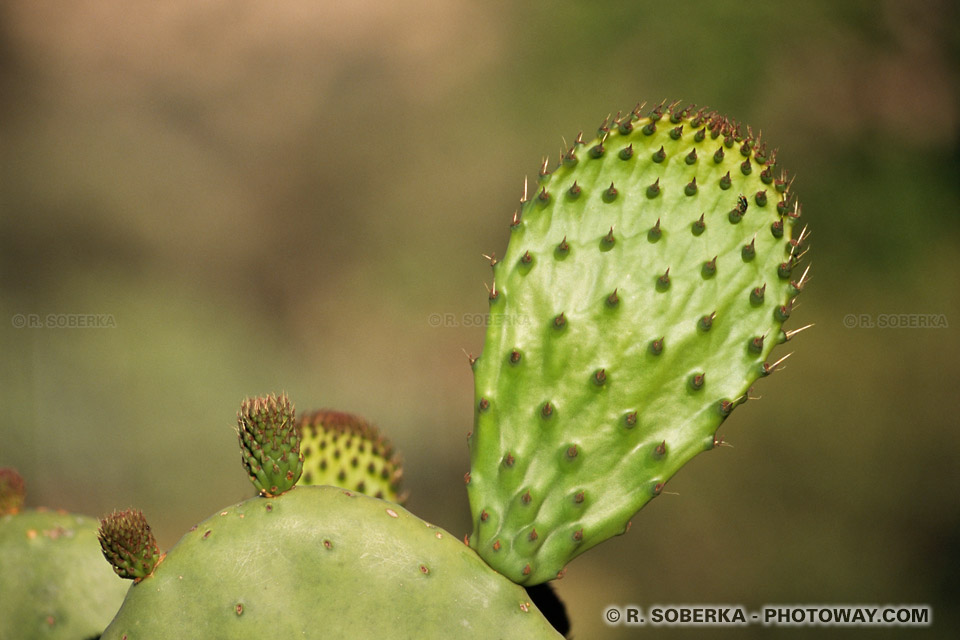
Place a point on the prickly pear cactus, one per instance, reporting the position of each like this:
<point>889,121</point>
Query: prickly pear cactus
<point>314,562</point>
<point>344,450</point>
<point>53,582</point>
<point>643,290</point>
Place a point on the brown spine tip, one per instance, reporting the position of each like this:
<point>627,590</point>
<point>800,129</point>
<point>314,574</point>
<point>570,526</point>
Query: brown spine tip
<point>600,377</point>
<point>709,267</point>
<point>610,194</point>
<point>654,234</point>
<point>697,380</point>
<point>660,450</point>
<point>630,420</point>
<point>656,346</point>
<point>699,226</point>
<point>654,189</point>
<point>613,299</point>
<point>706,322</point>
<point>663,282</point>
<point>560,321</point>
<point>609,240</point>
<point>547,410</point>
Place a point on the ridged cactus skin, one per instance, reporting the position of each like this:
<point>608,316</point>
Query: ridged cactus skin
<point>53,581</point>
<point>643,289</point>
<point>344,450</point>
<point>324,562</point>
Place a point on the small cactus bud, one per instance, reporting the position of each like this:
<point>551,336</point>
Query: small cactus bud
<point>128,544</point>
<point>270,443</point>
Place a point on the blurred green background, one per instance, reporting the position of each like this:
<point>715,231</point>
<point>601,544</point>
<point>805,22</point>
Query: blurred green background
<point>261,197</point>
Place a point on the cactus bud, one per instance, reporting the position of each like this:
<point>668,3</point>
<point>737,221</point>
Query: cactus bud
<point>128,544</point>
<point>270,443</point>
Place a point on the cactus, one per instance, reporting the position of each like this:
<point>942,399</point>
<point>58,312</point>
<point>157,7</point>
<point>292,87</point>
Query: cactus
<point>53,583</point>
<point>644,286</point>
<point>344,450</point>
<point>314,561</point>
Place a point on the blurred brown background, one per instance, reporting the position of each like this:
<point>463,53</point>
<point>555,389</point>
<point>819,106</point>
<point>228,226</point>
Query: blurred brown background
<point>276,196</point>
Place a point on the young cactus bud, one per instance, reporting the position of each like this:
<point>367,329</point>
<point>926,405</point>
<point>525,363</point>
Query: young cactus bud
<point>344,450</point>
<point>270,443</point>
<point>11,491</point>
<point>128,544</point>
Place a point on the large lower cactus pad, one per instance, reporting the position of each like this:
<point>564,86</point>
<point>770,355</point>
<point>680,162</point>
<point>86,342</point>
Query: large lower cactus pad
<point>322,562</point>
<point>53,581</point>
<point>645,283</point>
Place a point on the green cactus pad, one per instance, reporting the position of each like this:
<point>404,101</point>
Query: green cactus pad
<point>128,544</point>
<point>344,450</point>
<point>53,581</point>
<point>323,562</point>
<point>643,289</point>
<point>269,443</point>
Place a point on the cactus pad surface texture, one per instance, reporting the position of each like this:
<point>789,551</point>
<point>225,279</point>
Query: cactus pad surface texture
<point>324,562</point>
<point>645,284</point>
<point>53,581</point>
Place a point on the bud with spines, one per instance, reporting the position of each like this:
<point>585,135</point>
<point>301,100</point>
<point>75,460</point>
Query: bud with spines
<point>270,443</point>
<point>128,544</point>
